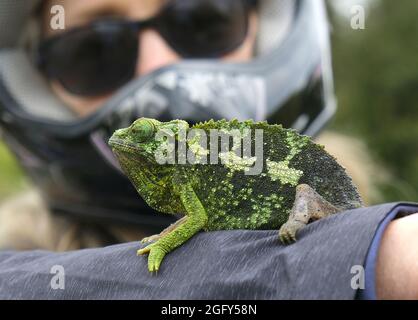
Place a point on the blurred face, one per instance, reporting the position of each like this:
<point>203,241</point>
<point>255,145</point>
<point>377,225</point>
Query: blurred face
<point>153,53</point>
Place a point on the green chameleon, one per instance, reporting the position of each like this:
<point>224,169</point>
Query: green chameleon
<point>299,181</point>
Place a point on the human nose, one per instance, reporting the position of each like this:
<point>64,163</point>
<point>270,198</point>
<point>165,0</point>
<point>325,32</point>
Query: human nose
<point>153,53</point>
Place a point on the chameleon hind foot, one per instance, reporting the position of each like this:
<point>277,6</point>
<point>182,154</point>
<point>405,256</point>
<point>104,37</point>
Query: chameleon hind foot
<point>287,232</point>
<point>308,205</point>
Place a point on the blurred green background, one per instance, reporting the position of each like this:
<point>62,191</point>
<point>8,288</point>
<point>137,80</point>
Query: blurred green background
<point>376,77</point>
<point>11,177</point>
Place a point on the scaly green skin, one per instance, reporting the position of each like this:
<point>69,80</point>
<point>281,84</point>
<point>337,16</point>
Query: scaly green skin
<point>222,196</point>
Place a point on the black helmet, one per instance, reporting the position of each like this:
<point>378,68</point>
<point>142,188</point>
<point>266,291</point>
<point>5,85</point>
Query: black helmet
<point>289,82</point>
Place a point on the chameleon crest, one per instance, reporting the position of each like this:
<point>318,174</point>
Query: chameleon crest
<point>225,175</point>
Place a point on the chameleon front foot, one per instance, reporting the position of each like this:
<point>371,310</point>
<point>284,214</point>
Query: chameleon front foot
<point>155,257</point>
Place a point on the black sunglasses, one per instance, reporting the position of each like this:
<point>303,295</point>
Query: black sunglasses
<point>99,58</point>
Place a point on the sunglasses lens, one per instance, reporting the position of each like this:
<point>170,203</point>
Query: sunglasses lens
<point>204,28</point>
<point>100,58</point>
<point>93,61</point>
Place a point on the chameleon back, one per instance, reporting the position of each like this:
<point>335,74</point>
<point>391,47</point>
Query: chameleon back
<point>235,200</point>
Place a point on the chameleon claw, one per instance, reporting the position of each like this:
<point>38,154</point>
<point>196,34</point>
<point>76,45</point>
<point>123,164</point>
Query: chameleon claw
<point>282,239</point>
<point>153,268</point>
<point>288,231</point>
<point>293,237</point>
<point>286,238</point>
<point>155,257</point>
<point>144,241</point>
<point>150,239</point>
<point>284,235</point>
<point>143,251</point>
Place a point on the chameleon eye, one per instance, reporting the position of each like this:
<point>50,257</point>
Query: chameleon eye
<point>143,130</point>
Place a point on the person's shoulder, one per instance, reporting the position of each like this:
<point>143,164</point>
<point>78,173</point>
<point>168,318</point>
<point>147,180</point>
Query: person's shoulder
<point>26,201</point>
<point>24,220</point>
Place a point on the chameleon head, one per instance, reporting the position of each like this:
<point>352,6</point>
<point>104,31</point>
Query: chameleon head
<point>136,148</point>
<point>140,139</point>
<point>129,140</point>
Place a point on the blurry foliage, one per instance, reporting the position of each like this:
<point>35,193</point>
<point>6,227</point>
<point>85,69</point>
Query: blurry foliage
<point>11,176</point>
<point>376,76</point>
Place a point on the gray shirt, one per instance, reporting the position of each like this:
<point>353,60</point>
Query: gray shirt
<point>239,264</point>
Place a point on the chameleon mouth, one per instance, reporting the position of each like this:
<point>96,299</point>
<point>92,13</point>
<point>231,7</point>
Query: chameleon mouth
<point>122,145</point>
